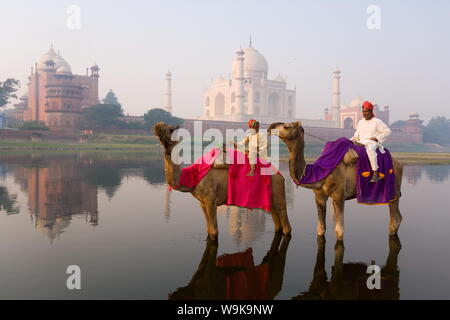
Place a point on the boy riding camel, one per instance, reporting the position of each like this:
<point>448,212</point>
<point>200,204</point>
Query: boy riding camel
<point>257,145</point>
<point>371,132</point>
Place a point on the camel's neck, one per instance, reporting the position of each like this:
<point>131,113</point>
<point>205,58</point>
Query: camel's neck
<point>171,170</point>
<point>296,159</point>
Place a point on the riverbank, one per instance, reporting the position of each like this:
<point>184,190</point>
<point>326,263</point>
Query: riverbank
<point>61,146</point>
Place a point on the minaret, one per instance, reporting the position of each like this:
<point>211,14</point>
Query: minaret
<point>240,94</point>
<point>336,106</point>
<point>168,93</point>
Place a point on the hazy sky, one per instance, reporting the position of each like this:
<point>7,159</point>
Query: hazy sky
<point>405,64</point>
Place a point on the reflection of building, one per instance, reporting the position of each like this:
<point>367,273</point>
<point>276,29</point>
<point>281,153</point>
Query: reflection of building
<point>56,96</point>
<point>245,225</point>
<point>55,193</point>
<point>437,174</point>
<point>167,202</point>
<point>249,92</point>
<point>412,173</point>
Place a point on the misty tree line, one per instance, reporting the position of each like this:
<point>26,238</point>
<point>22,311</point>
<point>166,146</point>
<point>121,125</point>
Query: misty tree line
<point>109,114</point>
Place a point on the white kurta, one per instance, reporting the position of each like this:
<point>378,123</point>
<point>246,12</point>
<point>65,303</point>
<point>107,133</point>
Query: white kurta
<point>254,139</point>
<point>373,128</point>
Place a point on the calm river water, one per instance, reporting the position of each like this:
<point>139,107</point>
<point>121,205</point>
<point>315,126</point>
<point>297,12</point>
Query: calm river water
<point>112,215</point>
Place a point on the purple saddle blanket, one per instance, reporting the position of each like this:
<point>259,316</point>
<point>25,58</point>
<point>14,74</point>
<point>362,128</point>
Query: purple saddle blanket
<point>381,192</point>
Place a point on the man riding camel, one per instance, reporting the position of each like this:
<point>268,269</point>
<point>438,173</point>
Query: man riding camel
<point>371,132</point>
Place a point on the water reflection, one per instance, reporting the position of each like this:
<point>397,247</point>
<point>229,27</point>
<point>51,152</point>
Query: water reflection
<point>435,173</point>
<point>244,225</point>
<point>58,186</point>
<point>8,202</point>
<point>235,276</point>
<point>412,174</point>
<point>348,280</point>
<point>55,192</point>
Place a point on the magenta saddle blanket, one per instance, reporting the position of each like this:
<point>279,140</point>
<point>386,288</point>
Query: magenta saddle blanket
<point>248,192</point>
<point>381,192</point>
<point>192,175</point>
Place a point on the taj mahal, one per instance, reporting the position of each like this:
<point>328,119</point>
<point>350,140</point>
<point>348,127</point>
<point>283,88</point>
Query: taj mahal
<point>249,93</point>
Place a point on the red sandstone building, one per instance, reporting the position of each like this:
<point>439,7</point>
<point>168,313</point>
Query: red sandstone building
<point>56,96</point>
<point>411,126</point>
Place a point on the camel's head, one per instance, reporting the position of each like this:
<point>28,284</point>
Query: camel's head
<point>287,131</point>
<point>164,133</point>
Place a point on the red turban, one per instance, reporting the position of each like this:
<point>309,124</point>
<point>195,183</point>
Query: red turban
<point>251,123</point>
<point>367,105</point>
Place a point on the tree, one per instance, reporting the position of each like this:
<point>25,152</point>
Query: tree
<point>111,98</point>
<point>398,123</point>
<point>154,116</point>
<point>34,125</point>
<point>103,115</point>
<point>437,131</point>
<point>7,91</point>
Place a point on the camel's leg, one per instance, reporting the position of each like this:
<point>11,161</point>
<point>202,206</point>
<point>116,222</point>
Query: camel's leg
<point>278,207</point>
<point>321,203</point>
<point>394,211</point>
<point>276,219</point>
<point>338,206</point>
<point>395,217</point>
<point>279,215</point>
<point>211,209</point>
<point>284,219</point>
<point>205,213</point>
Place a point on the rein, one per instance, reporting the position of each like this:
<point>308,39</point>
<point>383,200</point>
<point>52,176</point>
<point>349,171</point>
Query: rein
<point>315,137</point>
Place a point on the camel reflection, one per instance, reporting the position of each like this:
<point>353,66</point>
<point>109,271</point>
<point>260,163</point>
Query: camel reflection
<point>348,280</point>
<point>234,276</point>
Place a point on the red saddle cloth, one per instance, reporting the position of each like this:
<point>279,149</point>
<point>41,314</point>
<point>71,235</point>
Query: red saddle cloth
<point>249,284</point>
<point>249,192</point>
<point>192,175</point>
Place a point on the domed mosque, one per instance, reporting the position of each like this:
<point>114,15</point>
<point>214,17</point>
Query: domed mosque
<point>248,93</point>
<point>56,96</point>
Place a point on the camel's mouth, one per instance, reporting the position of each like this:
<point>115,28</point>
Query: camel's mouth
<point>285,131</point>
<point>164,133</point>
<point>273,129</point>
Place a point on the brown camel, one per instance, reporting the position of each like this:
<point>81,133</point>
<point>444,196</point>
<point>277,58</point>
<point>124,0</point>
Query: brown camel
<point>339,185</point>
<point>212,190</point>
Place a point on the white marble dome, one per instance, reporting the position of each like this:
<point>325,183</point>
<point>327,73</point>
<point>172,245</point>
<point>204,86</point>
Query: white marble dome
<point>279,78</point>
<point>64,69</point>
<point>219,79</point>
<point>56,58</point>
<point>254,64</point>
<point>357,102</point>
